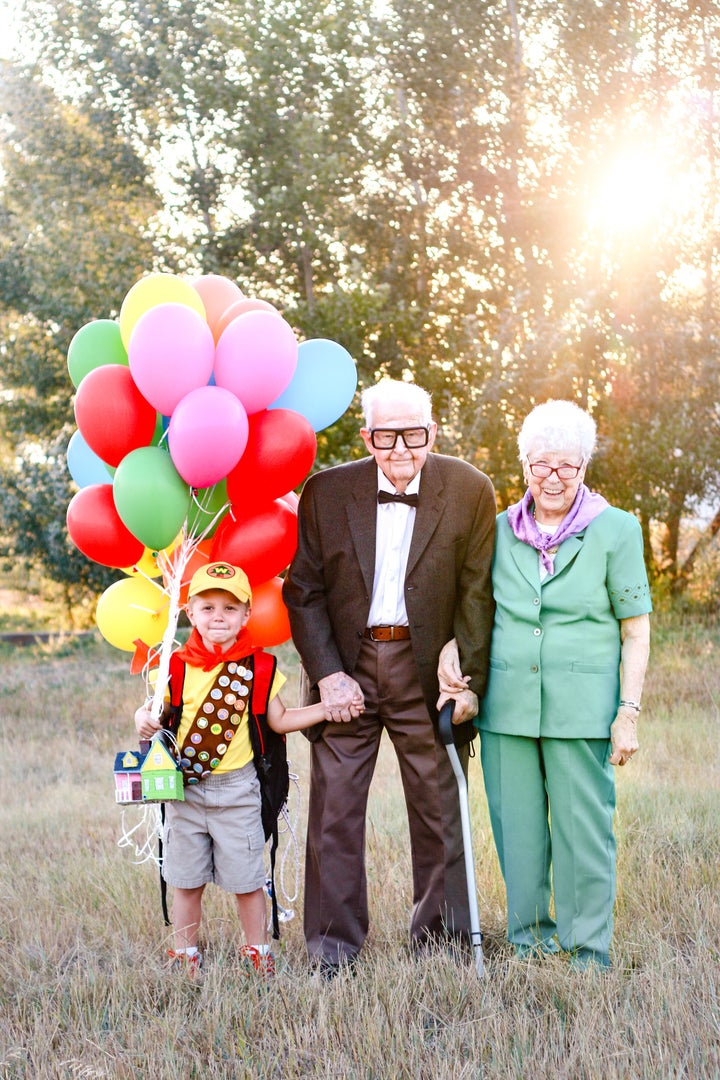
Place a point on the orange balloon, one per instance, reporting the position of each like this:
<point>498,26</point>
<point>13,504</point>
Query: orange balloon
<point>217,294</point>
<point>269,623</point>
<point>240,307</point>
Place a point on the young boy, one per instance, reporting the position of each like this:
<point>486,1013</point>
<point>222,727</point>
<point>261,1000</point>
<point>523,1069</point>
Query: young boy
<point>216,834</point>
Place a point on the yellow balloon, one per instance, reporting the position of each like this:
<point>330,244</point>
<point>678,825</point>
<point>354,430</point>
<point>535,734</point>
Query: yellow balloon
<point>132,608</point>
<point>147,564</point>
<point>152,290</point>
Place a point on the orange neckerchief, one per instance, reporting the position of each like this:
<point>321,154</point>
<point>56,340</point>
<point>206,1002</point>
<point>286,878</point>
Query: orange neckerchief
<point>195,653</point>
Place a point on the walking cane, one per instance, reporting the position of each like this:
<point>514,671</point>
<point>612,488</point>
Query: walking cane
<point>447,735</point>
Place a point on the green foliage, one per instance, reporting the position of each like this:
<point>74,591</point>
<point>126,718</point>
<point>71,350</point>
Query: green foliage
<point>430,185</point>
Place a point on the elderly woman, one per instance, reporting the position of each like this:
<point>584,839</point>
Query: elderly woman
<point>569,651</point>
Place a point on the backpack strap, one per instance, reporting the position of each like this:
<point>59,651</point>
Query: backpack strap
<point>264,667</point>
<point>177,681</point>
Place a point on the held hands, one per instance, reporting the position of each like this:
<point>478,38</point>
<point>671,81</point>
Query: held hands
<point>453,684</point>
<point>342,698</point>
<point>145,725</point>
<point>623,736</point>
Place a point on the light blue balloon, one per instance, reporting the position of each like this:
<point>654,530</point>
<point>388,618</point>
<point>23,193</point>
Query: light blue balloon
<point>323,385</point>
<point>84,465</point>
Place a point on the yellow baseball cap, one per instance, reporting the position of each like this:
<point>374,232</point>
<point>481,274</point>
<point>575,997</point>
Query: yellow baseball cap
<point>221,575</point>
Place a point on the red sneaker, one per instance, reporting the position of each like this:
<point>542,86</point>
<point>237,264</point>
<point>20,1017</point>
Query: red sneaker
<point>189,965</point>
<point>254,960</point>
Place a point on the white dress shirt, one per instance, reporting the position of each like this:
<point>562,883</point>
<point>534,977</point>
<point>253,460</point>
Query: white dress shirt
<point>394,530</point>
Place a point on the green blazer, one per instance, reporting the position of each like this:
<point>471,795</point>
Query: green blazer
<point>555,649</point>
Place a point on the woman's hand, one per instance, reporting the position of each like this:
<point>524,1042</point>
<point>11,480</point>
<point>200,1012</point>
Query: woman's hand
<point>450,676</point>
<point>623,736</point>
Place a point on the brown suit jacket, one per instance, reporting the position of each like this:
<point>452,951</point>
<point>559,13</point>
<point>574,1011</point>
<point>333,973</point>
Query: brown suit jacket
<point>448,588</point>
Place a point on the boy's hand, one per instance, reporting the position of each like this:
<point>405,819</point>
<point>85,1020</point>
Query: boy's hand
<point>145,725</point>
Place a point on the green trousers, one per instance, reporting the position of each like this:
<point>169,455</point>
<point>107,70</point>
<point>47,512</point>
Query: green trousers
<point>551,807</point>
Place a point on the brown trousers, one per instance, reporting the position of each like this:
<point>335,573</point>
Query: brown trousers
<point>343,762</point>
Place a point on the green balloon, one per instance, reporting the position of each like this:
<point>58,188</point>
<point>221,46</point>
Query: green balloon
<point>95,344</point>
<point>205,514</point>
<point>150,496</point>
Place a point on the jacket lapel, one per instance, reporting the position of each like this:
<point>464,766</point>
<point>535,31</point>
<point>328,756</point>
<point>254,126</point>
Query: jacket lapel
<point>362,519</point>
<point>431,507</point>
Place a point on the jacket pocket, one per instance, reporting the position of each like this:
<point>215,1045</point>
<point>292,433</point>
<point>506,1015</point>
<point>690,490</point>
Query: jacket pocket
<point>592,669</point>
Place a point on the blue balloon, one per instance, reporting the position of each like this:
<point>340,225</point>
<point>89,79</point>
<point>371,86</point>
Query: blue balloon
<point>323,385</point>
<point>84,465</point>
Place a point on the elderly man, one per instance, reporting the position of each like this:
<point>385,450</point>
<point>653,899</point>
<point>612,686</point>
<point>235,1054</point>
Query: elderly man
<point>393,560</point>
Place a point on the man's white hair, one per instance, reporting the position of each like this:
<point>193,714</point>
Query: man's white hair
<point>559,427</point>
<point>411,395</point>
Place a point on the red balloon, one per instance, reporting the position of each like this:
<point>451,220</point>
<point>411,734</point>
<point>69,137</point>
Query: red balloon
<point>111,413</point>
<point>269,623</point>
<point>279,454</point>
<point>96,529</point>
<point>262,543</point>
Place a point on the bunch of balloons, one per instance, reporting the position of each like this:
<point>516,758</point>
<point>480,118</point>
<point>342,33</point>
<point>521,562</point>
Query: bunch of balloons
<point>197,412</point>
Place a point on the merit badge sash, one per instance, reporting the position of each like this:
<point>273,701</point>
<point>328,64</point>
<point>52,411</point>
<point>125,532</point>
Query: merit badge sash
<point>216,722</point>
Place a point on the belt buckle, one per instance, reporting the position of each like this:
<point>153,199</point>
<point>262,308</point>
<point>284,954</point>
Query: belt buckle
<point>372,630</point>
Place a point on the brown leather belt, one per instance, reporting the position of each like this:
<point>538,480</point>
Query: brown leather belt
<point>387,633</point>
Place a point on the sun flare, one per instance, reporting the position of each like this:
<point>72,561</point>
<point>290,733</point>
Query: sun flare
<point>635,192</point>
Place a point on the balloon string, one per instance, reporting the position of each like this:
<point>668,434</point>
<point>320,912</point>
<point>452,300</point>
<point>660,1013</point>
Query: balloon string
<point>173,568</point>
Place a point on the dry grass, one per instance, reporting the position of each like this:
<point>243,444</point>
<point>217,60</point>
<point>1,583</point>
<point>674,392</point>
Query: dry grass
<point>84,992</point>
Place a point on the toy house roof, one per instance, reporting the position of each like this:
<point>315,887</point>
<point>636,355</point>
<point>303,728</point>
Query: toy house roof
<point>158,757</point>
<point>128,761</point>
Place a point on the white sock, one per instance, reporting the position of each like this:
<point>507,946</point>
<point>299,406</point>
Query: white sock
<point>262,949</point>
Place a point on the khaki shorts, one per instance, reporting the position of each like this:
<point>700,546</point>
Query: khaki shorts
<point>216,834</point>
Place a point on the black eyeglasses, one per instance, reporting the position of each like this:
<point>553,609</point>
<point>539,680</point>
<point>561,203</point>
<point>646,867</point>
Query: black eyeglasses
<point>564,472</point>
<point>386,438</point>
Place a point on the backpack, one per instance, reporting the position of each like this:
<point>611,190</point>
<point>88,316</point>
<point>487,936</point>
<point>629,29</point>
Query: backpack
<point>269,750</point>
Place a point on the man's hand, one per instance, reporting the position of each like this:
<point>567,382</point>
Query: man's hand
<point>466,705</point>
<point>341,696</point>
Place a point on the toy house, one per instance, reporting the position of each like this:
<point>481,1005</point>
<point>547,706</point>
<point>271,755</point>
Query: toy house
<point>128,781</point>
<point>161,778</point>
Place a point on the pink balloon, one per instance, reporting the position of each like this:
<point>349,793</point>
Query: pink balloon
<point>256,358</point>
<point>170,353</point>
<point>241,307</point>
<point>207,435</point>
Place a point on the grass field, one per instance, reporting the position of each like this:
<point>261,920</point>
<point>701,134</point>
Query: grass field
<point>84,992</point>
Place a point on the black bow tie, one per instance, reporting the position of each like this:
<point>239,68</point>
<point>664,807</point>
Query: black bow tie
<point>406,500</point>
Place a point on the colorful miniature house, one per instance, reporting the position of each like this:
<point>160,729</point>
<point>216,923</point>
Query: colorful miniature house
<point>161,778</point>
<point>128,781</point>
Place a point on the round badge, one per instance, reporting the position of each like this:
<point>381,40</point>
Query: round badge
<point>197,767</point>
<point>221,748</point>
<point>230,699</point>
<point>215,762</point>
<point>222,714</point>
<point>235,718</point>
<point>206,773</point>
<point>208,707</point>
<point>203,756</point>
<point>248,674</point>
<point>185,763</point>
<point>216,729</point>
<point>244,691</point>
<point>215,694</point>
<point>196,737</point>
<point>189,751</point>
<point>235,684</point>
<point>193,780</point>
<point>223,681</point>
<point>229,734</point>
<point>202,722</point>
<point>232,668</point>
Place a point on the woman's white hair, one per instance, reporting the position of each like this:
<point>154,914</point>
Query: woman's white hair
<point>387,390</point>
<point>557,427</point>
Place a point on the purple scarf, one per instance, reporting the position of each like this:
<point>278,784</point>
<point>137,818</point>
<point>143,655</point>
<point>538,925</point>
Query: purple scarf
<point>587,505</point>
